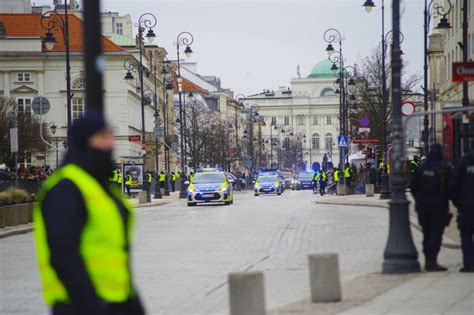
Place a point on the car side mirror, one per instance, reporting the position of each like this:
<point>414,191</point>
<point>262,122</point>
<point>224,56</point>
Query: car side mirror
<point>187,182</point>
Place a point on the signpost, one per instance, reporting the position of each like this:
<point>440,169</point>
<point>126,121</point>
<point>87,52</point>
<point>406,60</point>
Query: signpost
<point>40,105</point>
<point>463,71</point>
<point>343,142</point>
<point>134,138</point>
<point>408,108</point>
<point>14,140</point>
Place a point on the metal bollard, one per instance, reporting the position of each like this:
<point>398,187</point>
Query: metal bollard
<point>247,293</point>
<point>324,278</point>
<point>369,190</point>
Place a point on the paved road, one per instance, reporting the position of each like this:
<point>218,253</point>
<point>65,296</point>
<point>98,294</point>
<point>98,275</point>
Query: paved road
<point>183,255</point>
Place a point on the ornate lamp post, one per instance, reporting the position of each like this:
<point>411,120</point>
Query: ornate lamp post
<point>49,21</point>
<point>183,39</point>
<point>400,255</point>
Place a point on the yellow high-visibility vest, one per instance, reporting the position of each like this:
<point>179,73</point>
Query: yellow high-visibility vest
<point>336,176</point>
<point>119,178</point>
<point>162,177</point>
<point>128,180</point>
<point>102,245</point>
<point>347,172</point>
<point>149,178</point>
<point>114,176</point>
<point>173,177</point>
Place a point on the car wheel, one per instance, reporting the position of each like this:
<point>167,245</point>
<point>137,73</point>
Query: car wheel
<point>227,203</point>
<point>256,195</point>
<point>278,193</point>
<point>191,204</point>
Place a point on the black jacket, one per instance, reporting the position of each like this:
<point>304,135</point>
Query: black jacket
<point>430,185</point>
<point>462,185</point>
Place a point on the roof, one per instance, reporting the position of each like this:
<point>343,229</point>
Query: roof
<point>188,86</point>
<point>322,70</point>
<point>124,41</point>
<point>29,25</point>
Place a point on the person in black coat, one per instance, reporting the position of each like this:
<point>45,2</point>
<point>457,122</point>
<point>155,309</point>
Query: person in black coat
<point>430,188</point>
<point>65,217</point>
<point>462,193</point>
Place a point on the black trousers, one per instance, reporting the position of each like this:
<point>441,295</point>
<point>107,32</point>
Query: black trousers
<point>466,230</point>
<point>433,223</point>
<point>322,187</point>
<point>127,188</point>
<point>173,185</point>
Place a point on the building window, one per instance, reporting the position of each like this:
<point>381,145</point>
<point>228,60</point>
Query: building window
<point>328,120</point>
<point>300,120</point>
<point>286,143</point>
<point>119,28</point>
<point>24,105</point>
<point>315,141</point>
<point>274,121</point>
<point>287,120</point>
<point>327,92</point>
<point>411,143</point>
<point>79,84</point>
<point>24,77</point>
<point>78,107</point>
<point>274,141</point>
<point>315,120</point>
<point>328,141</point>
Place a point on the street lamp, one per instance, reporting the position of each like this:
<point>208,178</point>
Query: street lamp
<point>369,5</point>
<point>53,128</point>
<point>49,21</point>
<point>183,38</point>
<point>430,9</point>
<point>400,255</point>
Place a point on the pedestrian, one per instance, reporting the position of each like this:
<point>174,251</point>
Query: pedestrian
<point>128,183</point>
<point>323,178</point>
<point>430,188</point>
<point>315,181</point>
<point>413,165</point>
<point>119,180</point>
<point>83,230</point>
<point>162,179</point>
<point>462,194</point>
<point>173,182</point>
<point>348,175</point>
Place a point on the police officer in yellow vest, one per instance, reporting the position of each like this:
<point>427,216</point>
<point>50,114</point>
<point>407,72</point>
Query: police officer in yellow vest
<point>84,230</point>
<point>162,179</point>
<point>173,181</point>
<point>114,176</point>
<point>119,180</point>
<point>348,175</point>
<point>128,183</point>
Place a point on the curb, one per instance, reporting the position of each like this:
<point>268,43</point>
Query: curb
<point>453,244</point>
<point>17,230</point>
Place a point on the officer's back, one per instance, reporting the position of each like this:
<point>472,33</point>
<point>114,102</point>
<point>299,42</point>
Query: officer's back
<point>429,184</point>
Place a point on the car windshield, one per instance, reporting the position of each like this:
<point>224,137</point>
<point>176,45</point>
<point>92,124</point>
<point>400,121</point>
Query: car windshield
<point>267,179</point>
<point>305,175</point>
<point>208,178</point>
<point>287,175</point>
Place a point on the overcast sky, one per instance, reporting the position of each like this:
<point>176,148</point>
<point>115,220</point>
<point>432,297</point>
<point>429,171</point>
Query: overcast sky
<point>256,45</point>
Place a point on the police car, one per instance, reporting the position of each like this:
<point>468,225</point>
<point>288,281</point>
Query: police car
<point>268,184</point>
<point>210,185</point>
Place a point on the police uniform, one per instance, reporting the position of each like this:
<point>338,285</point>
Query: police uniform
<point>322,182</point>
<point>173,181</point>
<point>162,179</point>
<point>462,193</point>
<point>128,183</point>
<point>430,189</point>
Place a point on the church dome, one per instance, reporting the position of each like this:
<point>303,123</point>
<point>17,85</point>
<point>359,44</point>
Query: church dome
<point>322,70</point>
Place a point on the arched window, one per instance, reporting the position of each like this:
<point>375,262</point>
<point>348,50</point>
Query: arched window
<point>328,141</point>
<point>79,84</point>
<point>327,92</point>
<point>315,141</point>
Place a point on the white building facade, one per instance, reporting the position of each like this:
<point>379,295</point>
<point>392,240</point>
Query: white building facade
<point>309,110</point>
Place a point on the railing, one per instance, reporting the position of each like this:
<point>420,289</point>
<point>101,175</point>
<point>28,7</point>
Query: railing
<point>31,186</point>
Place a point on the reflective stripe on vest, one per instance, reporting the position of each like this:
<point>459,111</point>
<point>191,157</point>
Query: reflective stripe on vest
<point>102,243</point>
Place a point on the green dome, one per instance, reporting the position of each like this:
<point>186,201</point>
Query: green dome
<point>322,70</point>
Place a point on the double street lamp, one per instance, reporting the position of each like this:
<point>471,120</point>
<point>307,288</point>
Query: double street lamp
<point>146,20</point>
<point>49,21</point>
<point>183,39</point>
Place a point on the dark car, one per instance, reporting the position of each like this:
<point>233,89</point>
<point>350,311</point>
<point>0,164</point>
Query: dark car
<point>288,179</point>
<point>304,180</point>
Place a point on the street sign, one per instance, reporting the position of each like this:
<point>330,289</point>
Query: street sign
<point>463,71</point>
<point>40,105</point>
<point>232,150</point>
<point>364,122</point>
<point>158,132</point>
<point>13,140</point>
<point>408,108</point>
<point>362,130</point>
<point>365,141</point>
<point>343,142</point>
<point>135,138</point>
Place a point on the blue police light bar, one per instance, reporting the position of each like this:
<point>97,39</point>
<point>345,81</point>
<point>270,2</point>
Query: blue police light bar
<point>209,169</point>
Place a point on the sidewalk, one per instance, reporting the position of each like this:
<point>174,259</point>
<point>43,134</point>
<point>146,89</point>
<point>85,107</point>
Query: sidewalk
<point>451,233</point>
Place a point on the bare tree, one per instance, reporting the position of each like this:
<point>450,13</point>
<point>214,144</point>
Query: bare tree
<point>369,94</point>
<point>29,139</point>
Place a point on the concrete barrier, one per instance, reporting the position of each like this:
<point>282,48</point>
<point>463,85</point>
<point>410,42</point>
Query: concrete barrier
<point>341,190</point>
<point>369,190</point>
<point>324,278</point>
<point>2,217</point>
<point>247,293</point>
<point>17,214</point>
<point>142,197</point>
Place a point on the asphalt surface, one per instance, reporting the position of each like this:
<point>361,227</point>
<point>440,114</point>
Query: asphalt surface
<point>182,255</point>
